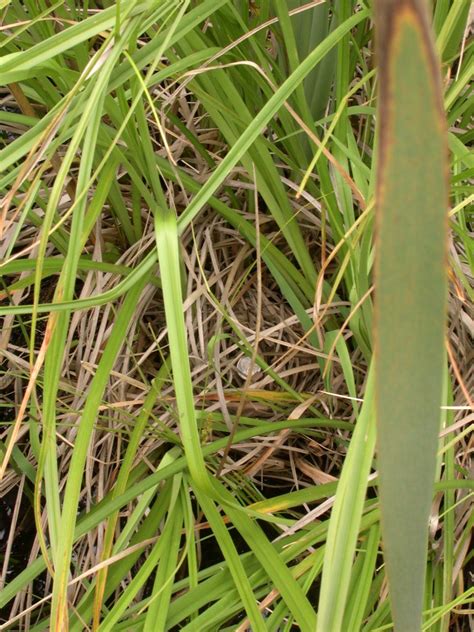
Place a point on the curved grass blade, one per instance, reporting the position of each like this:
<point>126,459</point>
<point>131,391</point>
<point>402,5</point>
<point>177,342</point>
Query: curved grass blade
<point>410,293</point>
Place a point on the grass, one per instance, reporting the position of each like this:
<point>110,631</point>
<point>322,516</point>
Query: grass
<point>185,185</point>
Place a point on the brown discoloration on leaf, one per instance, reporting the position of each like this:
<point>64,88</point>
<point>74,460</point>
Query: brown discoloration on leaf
<point>410,305</point>
<point>390,17</point>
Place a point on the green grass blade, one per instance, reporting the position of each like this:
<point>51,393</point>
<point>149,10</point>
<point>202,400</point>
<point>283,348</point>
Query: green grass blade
<point>363,582</point>
<point>173,524</point>
<point>410,294</point>
<point>168,254</point>
<point>280,574</point>
<point>163,586</point>
<point>71,495</point>
<point>16,66</point>
<point>345,518</point>
<point>235,565</point>
<point>263,117</point>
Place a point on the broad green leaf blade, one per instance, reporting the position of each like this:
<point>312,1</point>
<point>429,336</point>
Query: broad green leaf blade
<point>410,293</point>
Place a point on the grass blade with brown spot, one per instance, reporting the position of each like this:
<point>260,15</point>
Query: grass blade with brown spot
<point>410,293</point>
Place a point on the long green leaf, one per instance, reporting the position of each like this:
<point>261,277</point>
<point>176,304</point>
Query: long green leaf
<point>410,293</point>
<point>346,517</point>
<point>263,117</point>
<point>168,254</point>
<point>88,418</point>
<point>19,65</point>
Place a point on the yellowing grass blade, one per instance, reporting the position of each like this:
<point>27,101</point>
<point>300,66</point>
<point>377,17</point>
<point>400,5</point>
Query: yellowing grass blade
<point>410,293</point>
